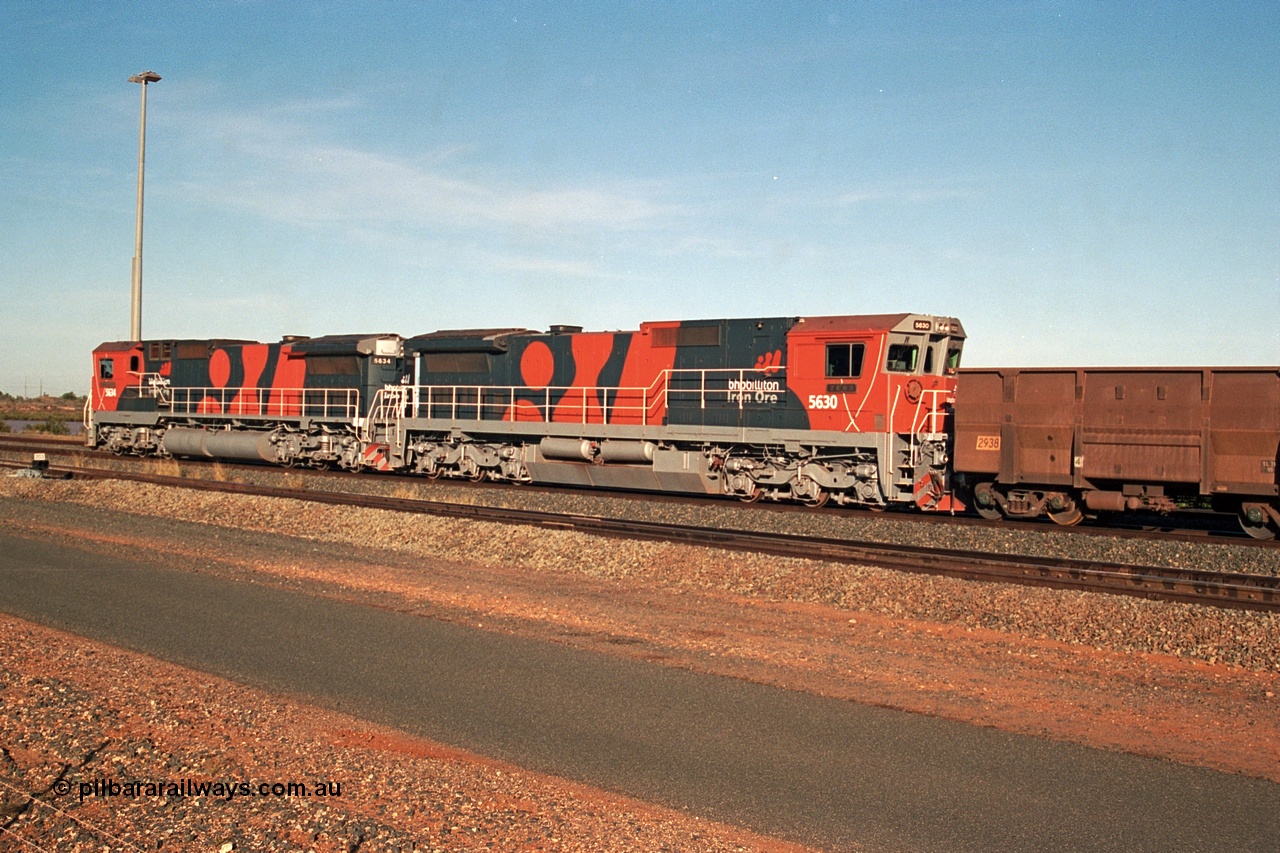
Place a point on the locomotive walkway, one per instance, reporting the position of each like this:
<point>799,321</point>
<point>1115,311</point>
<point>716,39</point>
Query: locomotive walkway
<point>825,772</point>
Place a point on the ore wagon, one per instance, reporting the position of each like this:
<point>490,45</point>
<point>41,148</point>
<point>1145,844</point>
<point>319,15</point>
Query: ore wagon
<point>1063,442</point>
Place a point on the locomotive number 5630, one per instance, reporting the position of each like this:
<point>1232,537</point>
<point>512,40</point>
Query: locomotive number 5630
<point>823,401</point>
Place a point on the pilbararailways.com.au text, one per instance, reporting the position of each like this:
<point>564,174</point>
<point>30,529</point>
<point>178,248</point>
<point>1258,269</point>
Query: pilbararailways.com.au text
<point>225,789</point>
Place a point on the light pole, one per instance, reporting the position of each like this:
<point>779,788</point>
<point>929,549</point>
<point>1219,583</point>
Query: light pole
<point>135,317</point>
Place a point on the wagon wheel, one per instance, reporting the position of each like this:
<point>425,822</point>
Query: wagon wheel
<point>1254,522</point>
<point>985,503</point>
<point>1069,517</point>
<point>1257,531</point>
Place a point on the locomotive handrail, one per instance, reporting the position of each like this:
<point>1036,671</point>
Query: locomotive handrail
<point>153,382</point>
<point>153,385</point>
<point>592,403</point>
<point>330,403</point>
<point>930,415</point>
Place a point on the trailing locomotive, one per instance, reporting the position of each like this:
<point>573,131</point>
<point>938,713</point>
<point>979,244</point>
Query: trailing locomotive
<point>854,410</point>
<point>296,402</point>
<point>848,409</point>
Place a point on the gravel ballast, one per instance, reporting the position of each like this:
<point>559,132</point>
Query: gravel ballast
<point>1243,638</point>
<point>1187,683</point>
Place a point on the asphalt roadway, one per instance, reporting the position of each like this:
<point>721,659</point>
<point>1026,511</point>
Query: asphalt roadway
<point>824,772</point>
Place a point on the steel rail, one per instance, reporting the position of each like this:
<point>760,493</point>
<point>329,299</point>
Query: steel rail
<point>1235,590</point>
<point>1168,531</point>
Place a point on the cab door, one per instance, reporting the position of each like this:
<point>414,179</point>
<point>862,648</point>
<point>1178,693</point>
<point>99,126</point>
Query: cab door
<point>837,377</point>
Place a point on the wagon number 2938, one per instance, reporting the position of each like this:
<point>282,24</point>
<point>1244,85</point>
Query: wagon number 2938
<point>988,442</point>
<point>823,401</point>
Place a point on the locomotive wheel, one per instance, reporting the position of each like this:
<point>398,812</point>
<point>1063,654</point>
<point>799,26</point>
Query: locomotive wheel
<point>476,475</point>
<point>815,501</point>
<point>752,496</point>
<point>1069,517</point>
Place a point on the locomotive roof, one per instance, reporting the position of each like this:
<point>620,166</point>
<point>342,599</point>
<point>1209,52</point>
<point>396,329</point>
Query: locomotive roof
<point>473,333</point>
<point>121,346</point>
<point>876,322</point>
<point>340,343</point>
<point>462,340</point>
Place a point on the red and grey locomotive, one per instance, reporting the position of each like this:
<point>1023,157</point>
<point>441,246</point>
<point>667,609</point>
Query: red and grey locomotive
<point>852,410</point>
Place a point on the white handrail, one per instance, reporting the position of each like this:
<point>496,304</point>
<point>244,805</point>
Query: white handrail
<point>265,402</point>
<point>597,403</point>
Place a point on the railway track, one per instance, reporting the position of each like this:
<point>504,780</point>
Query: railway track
<point>1219,589</point>
<point>1191,526</point>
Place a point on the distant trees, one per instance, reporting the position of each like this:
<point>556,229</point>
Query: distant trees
<point>51,426</point>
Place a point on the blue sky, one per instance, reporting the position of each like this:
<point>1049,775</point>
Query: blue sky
<point>1080,183</point>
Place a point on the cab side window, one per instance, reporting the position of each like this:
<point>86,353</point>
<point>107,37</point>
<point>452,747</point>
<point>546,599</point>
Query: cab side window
<point>844,361</point>
<point>902,358</point>
<point>106,368</point>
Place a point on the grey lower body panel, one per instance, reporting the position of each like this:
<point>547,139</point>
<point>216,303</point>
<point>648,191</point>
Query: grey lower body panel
<point>686,434</point>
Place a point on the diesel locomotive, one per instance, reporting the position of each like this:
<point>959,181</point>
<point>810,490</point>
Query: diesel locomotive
<point>869,410</point>
<point>850,409</point>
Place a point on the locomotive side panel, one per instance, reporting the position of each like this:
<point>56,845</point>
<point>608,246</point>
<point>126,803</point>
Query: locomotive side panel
<point>117,367</point>
<point>730,373</point>
<point>881,373</point>
<point>290,402</point>
<point>713,406</point>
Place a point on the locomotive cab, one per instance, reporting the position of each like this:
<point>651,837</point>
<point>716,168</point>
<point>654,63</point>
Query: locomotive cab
<point>118,367</point>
